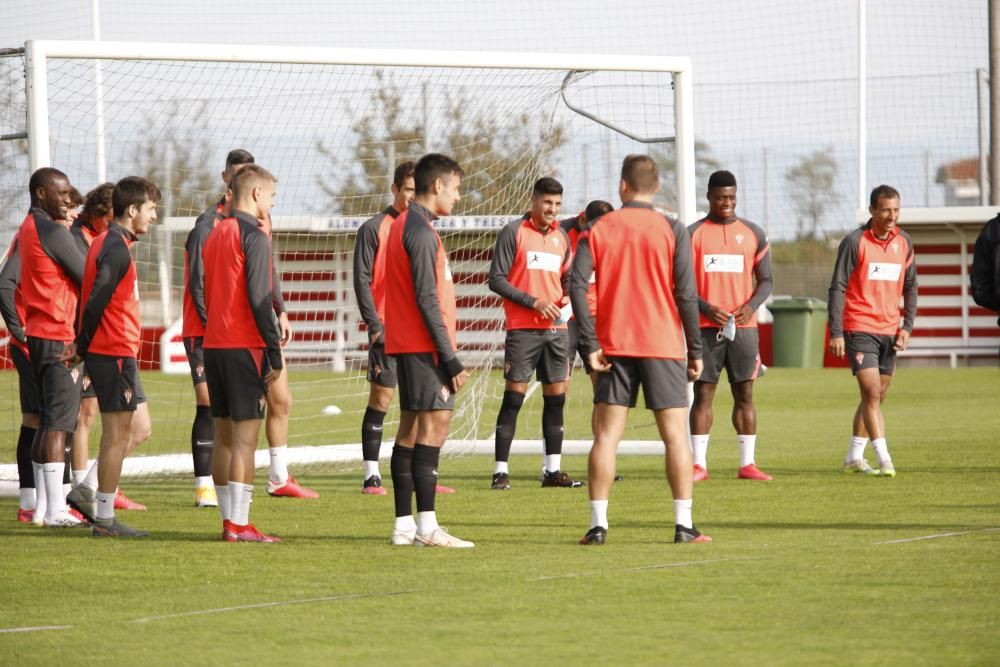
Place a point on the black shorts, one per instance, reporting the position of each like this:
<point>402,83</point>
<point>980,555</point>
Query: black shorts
<point>867,350</point>
<point>381,367</point>
<point>664,382</point>
<point>86,385</point>
<point>543,350</point>
<point>58,385</point>
<point>423,383</point>
<point>116,382</point>
<point>236,386</point>
<point>574,347</point>
<point>27,385</point>
<point>196,358</point>
<point>740,356</point>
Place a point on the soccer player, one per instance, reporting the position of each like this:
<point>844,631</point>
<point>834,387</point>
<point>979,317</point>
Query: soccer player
<point>420,332</point>
<point>242,344</point>
<point>530,270</point>
<point>51,271</point>
<point>108,339</point>
<point>12,310</point>
<point>369,289</point>
<point>875,267</point>
<point>732,270</point>
<point>647,307</point>
<point>574,228</point>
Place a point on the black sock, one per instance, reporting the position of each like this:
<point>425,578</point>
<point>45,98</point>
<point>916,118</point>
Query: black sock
<point>400,466</point>
<point>425,463</point>
<point>507,424</point>
<point>25,472</point>
<point>552,423</point>
<point>202,441</point>
<point>68,458</point>
<point>371,433</point>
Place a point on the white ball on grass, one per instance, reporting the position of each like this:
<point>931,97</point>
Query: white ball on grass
<point>332,410</point>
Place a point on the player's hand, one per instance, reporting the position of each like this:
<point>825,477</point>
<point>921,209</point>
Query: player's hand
<point>69,355</point>
<point>598,361</point>
<point>286,329</point>
<point>547,309</point>
<point>718,315</point>
<point>374,336</point>
<point>837,347</point>
<point>695,366</point>
<point>743,314</point>
<point>271,376</point>
<point>902,340</point>
<point>459,380</point>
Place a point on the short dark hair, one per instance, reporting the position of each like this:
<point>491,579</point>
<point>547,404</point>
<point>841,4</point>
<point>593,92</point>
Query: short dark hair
<point>98,202</point>
<point>238,156</point>
<point>133,191</point>
<point>641,173</point>
<point>721,179</point>
<point>42,177</point>
<point>249,177</point>
<point>432,167</point>
<point>596,209</point>
<point>883,192</point>
<point>546,185</point>
<point>403,172</point>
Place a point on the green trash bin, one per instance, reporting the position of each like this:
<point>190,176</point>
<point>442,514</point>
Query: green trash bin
<point>799,332</point>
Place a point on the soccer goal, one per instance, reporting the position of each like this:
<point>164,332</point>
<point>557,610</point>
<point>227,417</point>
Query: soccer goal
<point>332,124</point>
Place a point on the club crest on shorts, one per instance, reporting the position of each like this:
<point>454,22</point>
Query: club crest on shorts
<point>506,367</point>
<point>127,395</point>
<point>86,382</point>
<point>260,403</point>
<point>75,374</point>
<point>378,369</point>
<point>445,393</point>
<point>859,357</point>
<point>199,370</point>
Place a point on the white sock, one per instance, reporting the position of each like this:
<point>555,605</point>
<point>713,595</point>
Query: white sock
<point>78,476</point>
<point>371,468</point>
<point>203,482</point>
<point>682,513</point>
<point>553,462</point>
<point>856,451</point>
<point>41,501</point>
<point>599,513</point>
<point>105,506</point>
<point>881,450</point>
<point>222,493</point>
<point>27,497</point>
<point>427,522</point>
<point>699,450</point>
<point>52,476</point>
<point>500,466</point>
<point>239,502</point>
<point>406,523</point>
<point>747,445</point>
<point>90,481</point>
<point>279,465</point>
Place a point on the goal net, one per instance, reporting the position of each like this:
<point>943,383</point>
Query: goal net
<point>332,125</point>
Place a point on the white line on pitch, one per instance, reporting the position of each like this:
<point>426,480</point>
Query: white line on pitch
<point>37,628</point>
<point>265,605</point>
<point>934,537</point>
<point>532,388</point>
<point>658,566</point>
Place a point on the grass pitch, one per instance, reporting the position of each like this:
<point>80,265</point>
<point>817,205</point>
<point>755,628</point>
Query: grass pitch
<point>816,567</point>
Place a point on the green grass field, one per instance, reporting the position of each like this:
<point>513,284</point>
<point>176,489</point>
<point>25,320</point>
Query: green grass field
<point>815,568</point>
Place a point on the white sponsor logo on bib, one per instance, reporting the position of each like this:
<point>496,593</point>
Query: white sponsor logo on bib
<point>884,271</point>
<point>723,263</point>
<point>543,261</point>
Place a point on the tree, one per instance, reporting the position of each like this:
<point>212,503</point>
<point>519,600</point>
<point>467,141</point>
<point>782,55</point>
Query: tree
<point>666,158</point>
<point>811,185</point>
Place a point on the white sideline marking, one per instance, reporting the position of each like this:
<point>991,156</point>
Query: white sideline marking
<point>36,628</point>
<point>532,388</point>
<point>934,537</point>
<point>658,566</point>
<point>265,605</point>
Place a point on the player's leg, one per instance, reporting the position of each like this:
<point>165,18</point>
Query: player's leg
<point>221,457</point>
<point>279,408</point>
<point>742,366</point>
<point>702,416</point>
<point>521,355</point>
<point>202,428</point>
<point>553,373</point>
<point>30,416</point>
<point>116,437</point>
<point>81,437</point>
<point>862,351</point>
<point>401,469</point>
<point>382,378</point>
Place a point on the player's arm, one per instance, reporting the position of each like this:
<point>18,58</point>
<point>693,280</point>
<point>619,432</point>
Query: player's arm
<point>995,252</point>
<point>504,253</point>
<point>59,245</point>
<point>196,269</point>
<point>257,272</point>
<point>10,274</point>
<point>567,265</point>
<point>686,294</point>
<point>365,248</point>
<point>421,247</point>
<point>763,278</point>
<point>909,297</point>
<point>847,259</point>
<point>579,282</point>
<point>112,263</point>
<point>277,300</point>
